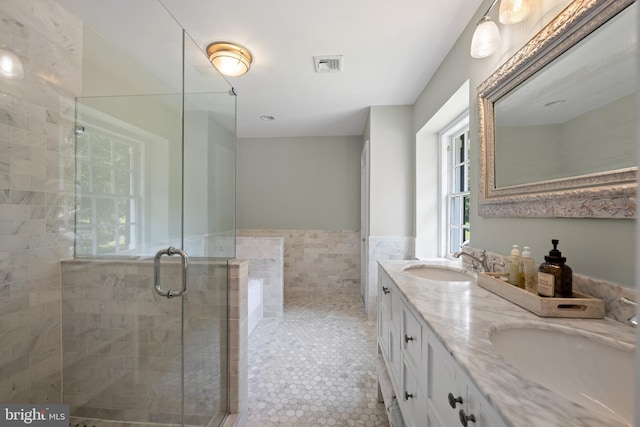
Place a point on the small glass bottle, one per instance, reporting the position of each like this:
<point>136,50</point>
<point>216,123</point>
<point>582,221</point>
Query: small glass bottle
<point>555,278</point>
<point>530,269</point>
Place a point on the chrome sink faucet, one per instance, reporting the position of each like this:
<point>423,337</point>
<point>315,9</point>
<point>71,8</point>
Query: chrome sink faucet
<point>481,261</point>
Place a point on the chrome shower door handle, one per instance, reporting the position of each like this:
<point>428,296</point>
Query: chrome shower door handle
<point>156,272</point>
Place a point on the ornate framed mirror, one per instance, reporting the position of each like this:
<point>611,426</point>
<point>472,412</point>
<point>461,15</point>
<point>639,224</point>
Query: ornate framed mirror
<point>558,120</point>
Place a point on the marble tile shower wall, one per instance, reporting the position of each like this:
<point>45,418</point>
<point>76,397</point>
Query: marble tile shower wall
<point>36,193</point>
<point>122,342</point>
<point>317,260</point>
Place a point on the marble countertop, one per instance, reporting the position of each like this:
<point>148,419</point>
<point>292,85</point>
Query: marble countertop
<point>461,314</point>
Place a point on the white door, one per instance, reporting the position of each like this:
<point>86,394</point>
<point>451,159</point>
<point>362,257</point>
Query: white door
<point>364,224</point>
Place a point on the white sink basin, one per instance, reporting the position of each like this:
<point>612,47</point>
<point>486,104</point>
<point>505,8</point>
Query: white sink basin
<point>592,370</point>
<point>437,272</point>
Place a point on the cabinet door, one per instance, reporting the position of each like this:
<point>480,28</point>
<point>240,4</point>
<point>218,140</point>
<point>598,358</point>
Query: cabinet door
<point>383,331</point>
<point>411,339</point>
<point>384,291</point>
<point>446,396</point>
<point>423,368</point>
<point>413,400</point>
<point>452,397</point>
<point>384,308</point>
<point>395,340</point>
<point>478,407</point>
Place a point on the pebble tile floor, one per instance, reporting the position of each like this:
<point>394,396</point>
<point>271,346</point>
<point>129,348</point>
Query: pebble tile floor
<point>315,366</point>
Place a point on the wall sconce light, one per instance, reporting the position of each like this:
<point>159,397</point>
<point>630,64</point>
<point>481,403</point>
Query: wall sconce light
<point>230,59</point>
<point>10,64</point>
<point>486,37</point>
<point>513,11</point>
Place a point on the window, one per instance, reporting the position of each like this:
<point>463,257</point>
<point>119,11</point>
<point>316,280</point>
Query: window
<point>107,167</point>
<point>455,185</point>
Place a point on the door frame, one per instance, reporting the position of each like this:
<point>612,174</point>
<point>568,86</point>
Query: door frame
<point>364,223</point>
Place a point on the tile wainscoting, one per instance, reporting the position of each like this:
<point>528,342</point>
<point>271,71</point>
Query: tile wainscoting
<point>321,260</point>
<point>384,247</point>
<point>317,260</point>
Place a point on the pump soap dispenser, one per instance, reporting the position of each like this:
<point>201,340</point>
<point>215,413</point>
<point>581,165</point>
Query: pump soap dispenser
<point>555,278</point>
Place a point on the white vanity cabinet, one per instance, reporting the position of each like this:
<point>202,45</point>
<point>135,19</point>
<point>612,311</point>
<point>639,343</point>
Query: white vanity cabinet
<point>412,395</point>
<point>453,399</point>
<point>389,303</point>
<point>431,389</point>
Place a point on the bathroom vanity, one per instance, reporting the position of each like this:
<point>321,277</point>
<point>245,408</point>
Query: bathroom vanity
<point>444,341</point>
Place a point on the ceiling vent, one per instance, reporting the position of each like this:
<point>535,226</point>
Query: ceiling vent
<point>328,64</point>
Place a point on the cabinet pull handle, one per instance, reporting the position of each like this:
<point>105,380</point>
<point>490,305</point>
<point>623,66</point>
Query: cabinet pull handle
<point>385,290</point>
<point>407,396</point>
<point>465,419</point>
<point>407,338</point>
<point>453,400</point>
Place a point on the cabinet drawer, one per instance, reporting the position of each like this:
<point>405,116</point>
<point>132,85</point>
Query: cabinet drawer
<point>413,399</point>
<point>411,339</point>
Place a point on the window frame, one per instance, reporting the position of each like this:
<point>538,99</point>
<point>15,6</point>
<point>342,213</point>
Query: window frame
<point>135,170</point>
<point>446,136</point>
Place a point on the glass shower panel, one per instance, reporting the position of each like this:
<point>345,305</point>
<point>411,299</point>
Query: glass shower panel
<point>209,234</point>
<point>122,343</point>
<point>129,193</point>
<point>141,141</point>
<point>209,157</point>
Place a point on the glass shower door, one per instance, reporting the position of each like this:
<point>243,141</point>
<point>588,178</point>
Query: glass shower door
<point>155,168</point>
<point>209,234</point>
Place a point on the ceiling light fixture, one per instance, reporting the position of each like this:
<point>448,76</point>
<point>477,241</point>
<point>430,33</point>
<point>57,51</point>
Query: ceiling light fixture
<point>267,118</point>
<point>513,11</point>
<point>230,59</point>
<point>10,64</point>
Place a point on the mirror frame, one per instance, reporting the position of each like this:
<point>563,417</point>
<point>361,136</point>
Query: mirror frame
<point>610,194</point>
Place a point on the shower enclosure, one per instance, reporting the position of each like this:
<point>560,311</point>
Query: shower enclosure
<point>145,297</point>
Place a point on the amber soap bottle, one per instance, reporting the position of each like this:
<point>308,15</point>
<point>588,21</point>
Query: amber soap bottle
<point>555,278</point>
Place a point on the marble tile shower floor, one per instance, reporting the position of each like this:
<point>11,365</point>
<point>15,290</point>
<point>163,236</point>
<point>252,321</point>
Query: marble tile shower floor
<point>315,366</point>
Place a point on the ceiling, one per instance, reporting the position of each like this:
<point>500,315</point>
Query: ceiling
<point>390,51</point>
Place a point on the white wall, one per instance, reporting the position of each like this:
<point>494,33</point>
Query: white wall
<point>428,168</point>
<point>306,183</point>
<point>594,247</point>
<point>392,170</point>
